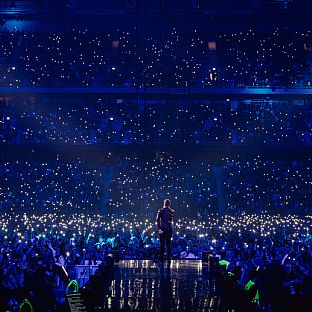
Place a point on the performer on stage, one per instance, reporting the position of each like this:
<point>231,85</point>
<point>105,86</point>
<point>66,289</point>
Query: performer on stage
<point>164,221</point>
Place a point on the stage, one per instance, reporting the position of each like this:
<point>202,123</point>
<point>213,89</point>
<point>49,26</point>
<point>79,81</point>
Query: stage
<point>150,285</point>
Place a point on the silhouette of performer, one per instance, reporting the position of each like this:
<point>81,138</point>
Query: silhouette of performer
<point>164,221</point>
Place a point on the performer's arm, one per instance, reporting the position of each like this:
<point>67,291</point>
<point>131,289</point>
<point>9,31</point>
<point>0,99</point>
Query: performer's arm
<point>158,220</point>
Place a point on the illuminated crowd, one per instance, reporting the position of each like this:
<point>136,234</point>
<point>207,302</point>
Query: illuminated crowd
<point>172,58</point>
<point>129,184</point>
<point>125,121</point>
<point>280,186</point>
<point>247,241</point>
<point>276,59</point>
<point>124,185</point>
<point>84,237</point>
<point>62,210</point>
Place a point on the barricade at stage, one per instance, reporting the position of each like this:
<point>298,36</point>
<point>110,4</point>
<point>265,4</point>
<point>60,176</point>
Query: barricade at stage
<point>83,273</point>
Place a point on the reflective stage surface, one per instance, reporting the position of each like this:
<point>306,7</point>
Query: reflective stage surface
<point>148,285</point>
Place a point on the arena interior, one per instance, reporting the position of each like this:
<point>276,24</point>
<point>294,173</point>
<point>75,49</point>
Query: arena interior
<point>110,107</point>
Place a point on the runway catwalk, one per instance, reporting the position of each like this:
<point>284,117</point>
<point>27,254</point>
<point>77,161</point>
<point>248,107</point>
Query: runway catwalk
<point>148,285</point>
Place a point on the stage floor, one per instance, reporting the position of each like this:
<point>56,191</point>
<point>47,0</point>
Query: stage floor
<point>148,285</point>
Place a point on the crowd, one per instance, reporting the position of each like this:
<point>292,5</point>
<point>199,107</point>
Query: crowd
<point>276,59</point>
<point>31,243</point>
<point>60,213</point>
<point>283,187</point>
<point>129,184</point>
<point>125,121</point>
<point>172,58</point>
<point>125,185</point>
